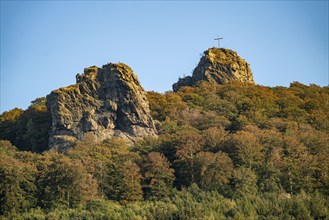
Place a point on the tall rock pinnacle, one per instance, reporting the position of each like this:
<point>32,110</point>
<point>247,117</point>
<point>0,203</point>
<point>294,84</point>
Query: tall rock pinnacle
<point>218,65</point>
<point>106,102</point>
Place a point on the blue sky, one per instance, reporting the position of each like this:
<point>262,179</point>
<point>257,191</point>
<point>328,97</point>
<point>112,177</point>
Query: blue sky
<point>44,44</point>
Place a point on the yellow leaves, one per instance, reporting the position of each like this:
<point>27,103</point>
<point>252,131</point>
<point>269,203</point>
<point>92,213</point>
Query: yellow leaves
<point>11,115</point>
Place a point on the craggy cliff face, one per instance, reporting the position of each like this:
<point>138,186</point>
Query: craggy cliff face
<point>106,102</point>
<point>218,65</point>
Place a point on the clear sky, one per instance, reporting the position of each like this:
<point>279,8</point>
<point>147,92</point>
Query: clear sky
<point>44,44</point>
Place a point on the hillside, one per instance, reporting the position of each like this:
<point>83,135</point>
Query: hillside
<point>223,150</point>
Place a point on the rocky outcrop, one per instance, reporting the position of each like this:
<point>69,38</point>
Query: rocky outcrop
<point>106,102</point>
<point>218,65</point>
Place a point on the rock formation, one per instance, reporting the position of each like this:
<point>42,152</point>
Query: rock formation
<point>106,102</point>
<point>218,65</point>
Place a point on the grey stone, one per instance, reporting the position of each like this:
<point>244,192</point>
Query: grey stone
<point>218,65</point>
<point>105,102</point>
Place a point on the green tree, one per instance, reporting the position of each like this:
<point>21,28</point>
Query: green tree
<point>131,182</point>
<point>60,182</point>
<point>158,175</point>
<point>214,138</point>
<point>190,143</point>
<point>124,181</point>
<point>244,149</point>
<point>244,181</point>
<point>28,130</point>
<point>17,186</point>
<point>213,170</point>
<point>298,166</point>
<point>8,123</point>
<point>147,145</point>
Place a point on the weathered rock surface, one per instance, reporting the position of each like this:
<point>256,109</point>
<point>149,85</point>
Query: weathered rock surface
<point>106,102</point>
<point>218,65</point>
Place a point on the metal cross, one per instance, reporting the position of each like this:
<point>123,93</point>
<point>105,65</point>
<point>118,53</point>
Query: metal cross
<point>219,38</point>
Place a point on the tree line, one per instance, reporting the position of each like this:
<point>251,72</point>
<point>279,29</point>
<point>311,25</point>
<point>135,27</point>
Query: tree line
<point>228,151</point>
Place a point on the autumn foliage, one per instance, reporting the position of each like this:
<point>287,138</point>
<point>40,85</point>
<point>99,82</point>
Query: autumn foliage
<point>230,151</point>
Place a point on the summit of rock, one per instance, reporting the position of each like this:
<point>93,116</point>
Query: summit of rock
<point>106,102</point>
<point>218,65</point>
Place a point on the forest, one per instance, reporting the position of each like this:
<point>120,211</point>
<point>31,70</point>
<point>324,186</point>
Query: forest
<point>231,151</point>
